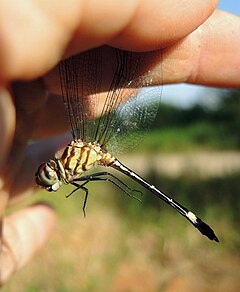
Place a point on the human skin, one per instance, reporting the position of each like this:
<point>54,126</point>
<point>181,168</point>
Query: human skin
<point>200,46</point>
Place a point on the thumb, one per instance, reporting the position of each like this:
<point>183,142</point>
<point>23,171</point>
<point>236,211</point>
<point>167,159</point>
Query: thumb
<point>24,233</point>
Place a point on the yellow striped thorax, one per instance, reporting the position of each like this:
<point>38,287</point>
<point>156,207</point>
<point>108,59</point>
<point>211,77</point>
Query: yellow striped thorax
<point>77,158</point>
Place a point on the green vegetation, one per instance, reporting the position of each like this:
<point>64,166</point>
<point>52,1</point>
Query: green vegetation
<point>193,129</point>
<point>197,128</point>
<point>193,137</point>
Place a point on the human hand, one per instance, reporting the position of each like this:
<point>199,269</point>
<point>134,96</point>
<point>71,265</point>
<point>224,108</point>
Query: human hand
<point>199,47</point>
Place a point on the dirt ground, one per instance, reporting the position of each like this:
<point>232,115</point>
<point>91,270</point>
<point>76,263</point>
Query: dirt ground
<point>204,164</point>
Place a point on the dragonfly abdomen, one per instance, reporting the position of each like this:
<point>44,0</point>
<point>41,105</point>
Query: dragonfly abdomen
<point>196,221</point>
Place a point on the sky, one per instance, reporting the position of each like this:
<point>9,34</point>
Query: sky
<point>230,5</point>
<point>185,95</point>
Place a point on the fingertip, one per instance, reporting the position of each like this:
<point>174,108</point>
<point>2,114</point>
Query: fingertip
<point>34,35</point>
<point>24,233</point>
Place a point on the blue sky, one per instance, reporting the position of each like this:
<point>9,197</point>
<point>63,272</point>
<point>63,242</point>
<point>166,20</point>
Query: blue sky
<point>230,5</point>
<point>185,95</point>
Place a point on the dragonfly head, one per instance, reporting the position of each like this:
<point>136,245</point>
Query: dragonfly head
<point>47,176</point>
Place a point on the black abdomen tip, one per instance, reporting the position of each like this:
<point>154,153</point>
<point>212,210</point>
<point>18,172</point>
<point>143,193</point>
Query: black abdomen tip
<point>206,230</point>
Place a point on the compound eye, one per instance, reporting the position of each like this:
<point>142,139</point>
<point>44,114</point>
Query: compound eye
<point>47,177</point>
<point>49,172</point>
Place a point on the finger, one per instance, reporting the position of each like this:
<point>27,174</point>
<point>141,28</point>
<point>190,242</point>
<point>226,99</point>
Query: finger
<point>31,47</point>
<point>7,124</point>
<point>139,25</point>
<point>209,56</point>
<point>27,101</point>
<point>35,154</point>
<point>24,233</point>
<point>33,35</point>
<point>7,128</point>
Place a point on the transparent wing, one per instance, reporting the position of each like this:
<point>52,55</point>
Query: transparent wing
<point>80,78</point>
<point>132,102</point>
<point>133,119</point>
<point>126,110</point>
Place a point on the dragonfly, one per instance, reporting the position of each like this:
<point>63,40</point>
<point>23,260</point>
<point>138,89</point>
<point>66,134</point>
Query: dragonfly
<point>130,104</point>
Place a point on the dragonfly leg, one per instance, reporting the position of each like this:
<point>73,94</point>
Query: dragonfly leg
<point>105,173</point>
<point>86,193</point>
<point>117,185</point>
<point>98,177</point>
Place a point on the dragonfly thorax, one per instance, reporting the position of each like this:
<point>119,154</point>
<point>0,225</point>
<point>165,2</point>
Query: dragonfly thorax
<point>77,158</point>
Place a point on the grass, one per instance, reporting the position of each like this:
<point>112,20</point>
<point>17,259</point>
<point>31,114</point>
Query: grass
<point>194,137</point>
<point>124,245</point>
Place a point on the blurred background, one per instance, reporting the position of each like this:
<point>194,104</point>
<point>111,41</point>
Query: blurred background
<point>191,153</point>
<point>122,245</point>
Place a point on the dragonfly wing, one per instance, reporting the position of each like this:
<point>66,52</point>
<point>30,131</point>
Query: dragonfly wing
<point>132,101</point>
<point>80,78</point>
<point>126,110</point>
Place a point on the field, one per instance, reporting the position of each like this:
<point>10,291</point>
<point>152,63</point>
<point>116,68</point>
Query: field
<point>124,245</point>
